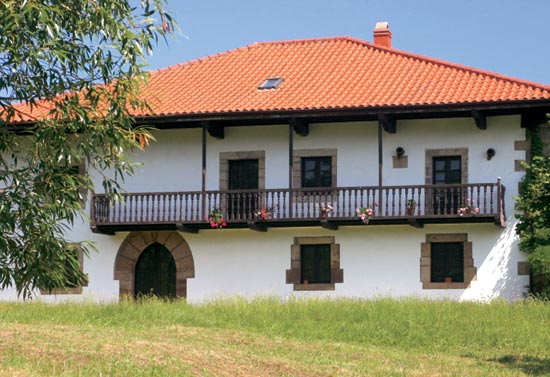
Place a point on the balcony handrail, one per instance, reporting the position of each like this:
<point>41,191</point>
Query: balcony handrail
<point>301,204</point>
<point>308,189</point>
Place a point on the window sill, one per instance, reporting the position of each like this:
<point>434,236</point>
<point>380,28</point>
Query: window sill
<point>314,287</point>
<point>62,291</point>
<point>455,285</point>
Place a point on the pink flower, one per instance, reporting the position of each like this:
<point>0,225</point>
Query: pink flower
<point>370,211</point>
<point>476,210</point>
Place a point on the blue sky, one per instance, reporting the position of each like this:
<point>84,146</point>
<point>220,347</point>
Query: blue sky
<point>505,36</point>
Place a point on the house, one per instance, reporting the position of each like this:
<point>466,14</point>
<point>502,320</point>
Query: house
<point>321,167</point>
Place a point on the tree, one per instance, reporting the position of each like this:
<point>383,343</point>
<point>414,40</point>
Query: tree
<point>534,226</point>
<point>70,74</point>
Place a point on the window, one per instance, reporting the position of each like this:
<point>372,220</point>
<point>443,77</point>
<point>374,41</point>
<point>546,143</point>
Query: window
<point>314,168</point>
<point>271,83</point>
<point>70,287</point>
<point>447,262</point>
<point>317,171</point>
<point>315,264</point>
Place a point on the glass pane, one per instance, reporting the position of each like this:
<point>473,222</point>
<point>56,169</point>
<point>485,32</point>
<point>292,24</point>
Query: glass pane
<point>447,261</point>
<point>455,164</point>
<point>315,264</point>
<point>439,164</point>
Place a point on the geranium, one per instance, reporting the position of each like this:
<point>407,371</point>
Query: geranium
<point>468,209</point>
<point>216,219</point>
<point>325,209</point>
<point>264,213</point>
<point>364,214</point>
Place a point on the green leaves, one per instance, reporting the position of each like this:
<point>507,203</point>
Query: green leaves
<point>78,67</point>
<point>534,225</point>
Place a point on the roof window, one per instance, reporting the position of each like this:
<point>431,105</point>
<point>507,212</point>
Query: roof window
<point>271,83</point>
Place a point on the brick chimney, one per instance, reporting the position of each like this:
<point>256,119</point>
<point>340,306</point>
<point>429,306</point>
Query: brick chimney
<point>382,34</point>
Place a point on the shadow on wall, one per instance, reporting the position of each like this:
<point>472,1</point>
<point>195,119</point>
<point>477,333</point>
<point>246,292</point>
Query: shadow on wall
<point>498,270</point>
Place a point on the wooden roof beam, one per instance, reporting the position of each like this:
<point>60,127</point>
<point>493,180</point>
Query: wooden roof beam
<point>532,119</point>
<point>216,131</point>
<point>480,119</point>
<point>388,123</point>
<point>300,126</point>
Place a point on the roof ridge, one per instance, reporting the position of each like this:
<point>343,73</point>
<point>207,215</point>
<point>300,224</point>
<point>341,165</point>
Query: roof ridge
<point>392,50</point>
<point>462,67</point>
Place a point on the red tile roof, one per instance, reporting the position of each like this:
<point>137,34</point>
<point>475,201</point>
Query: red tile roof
<point>330,73</point>
<point>322,74</point>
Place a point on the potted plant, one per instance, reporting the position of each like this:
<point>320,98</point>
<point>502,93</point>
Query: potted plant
<point>364,214</point>
<point>325,210</point>
<point>411,207</point>
<point>264,213</point>
<point>468,209</point>
<point>215,217</point>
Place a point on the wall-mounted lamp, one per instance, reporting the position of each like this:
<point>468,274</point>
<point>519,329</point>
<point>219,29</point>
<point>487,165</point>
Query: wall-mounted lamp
<point>400,152</point>
<point>490,153</point>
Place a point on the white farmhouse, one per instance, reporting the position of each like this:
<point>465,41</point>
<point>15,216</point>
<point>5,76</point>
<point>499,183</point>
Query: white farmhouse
<point>322,167</point>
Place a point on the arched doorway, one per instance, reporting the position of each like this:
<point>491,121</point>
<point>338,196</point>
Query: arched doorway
<point>136,243</point>
<point>155,272</point>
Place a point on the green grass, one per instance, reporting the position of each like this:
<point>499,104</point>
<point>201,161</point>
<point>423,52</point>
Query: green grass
<point>269,337</point>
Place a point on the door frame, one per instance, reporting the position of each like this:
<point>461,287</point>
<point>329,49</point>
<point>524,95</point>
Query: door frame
<point>136,242</point>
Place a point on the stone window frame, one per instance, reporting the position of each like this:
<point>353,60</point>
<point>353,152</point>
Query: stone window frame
<point>225,157</point>
<point>293,275</point>
<point>67,290</point>
<point>470,271</point>
<point>446,152</point>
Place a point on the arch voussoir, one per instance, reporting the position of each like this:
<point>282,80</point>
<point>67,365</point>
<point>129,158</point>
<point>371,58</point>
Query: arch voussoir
<point>136,242</point>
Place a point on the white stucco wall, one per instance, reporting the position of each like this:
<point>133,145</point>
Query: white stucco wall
<point>377,260</point>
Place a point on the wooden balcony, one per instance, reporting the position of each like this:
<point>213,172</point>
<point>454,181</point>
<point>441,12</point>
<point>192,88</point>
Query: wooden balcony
<point>189,211</point>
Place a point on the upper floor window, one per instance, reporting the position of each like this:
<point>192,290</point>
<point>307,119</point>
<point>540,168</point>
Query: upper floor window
<point>317,171</point>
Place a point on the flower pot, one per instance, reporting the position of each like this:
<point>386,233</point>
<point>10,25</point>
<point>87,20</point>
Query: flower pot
<point>306,281</point>
<point>448,280</point>
<point>411,211</point>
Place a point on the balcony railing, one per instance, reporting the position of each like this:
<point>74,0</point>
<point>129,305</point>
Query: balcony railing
<point>414,204</point>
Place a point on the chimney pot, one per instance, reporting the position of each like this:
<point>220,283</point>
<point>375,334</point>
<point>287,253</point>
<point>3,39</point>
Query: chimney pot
<point>382,34</point>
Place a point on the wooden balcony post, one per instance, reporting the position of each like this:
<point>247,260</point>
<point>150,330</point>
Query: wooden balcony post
<point>380,167</point>
<point>290,169</point>
<point>203,193</point>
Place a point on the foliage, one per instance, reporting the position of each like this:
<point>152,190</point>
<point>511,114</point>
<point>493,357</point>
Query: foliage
<point>70,73</point>
<point>267,336</point>
<point>534,226</point>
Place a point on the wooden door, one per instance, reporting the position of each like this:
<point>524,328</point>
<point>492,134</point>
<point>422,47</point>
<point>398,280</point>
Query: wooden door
<point>447,170</point>
<point>155,272</point>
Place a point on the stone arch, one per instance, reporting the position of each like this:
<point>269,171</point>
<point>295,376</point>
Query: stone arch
<point>136,242</point>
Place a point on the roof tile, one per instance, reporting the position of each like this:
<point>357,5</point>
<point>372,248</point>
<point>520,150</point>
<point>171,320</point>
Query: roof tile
<point>328,73</point>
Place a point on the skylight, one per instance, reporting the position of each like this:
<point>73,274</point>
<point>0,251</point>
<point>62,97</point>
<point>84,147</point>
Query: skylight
<point>271,83</point>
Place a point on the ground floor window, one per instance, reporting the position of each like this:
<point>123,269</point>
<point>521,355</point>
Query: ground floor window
<point>70,286</point>
<point>315,264</point>
<point>447,262</point>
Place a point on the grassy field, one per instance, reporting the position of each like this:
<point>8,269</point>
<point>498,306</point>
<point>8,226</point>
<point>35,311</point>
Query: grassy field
<point>269,338</point>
